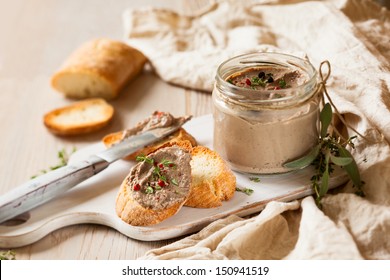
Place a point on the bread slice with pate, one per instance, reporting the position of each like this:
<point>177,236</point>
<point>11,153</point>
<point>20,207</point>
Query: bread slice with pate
<point>156,188</point>
<point>80,117</point>
<point>212,180</point>
<point>157,119</point>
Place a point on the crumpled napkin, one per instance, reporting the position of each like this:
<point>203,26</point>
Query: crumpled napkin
<point>353,36</point>
<point>186,50</point>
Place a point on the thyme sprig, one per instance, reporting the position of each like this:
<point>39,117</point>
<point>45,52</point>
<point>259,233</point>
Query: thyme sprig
<point>63,157</point>
<point>142,158</point>
<point>7,255</point>
<point>328,152</point>
<point>247,191</point>
<point>255,179</point>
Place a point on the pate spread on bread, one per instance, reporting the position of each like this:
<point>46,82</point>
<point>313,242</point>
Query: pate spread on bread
<point>156,188</point>
<point>212,180</point>
<point>157,119</point>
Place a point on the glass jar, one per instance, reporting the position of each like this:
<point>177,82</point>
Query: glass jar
<point>267,121</point>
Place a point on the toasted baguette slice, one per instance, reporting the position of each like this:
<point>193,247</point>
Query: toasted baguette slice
<point>80,117</point>
<point>98,68</point>
<point>212,180</point>
<point>142,200</point>
<point>184,144</point>
<point>178,136</point>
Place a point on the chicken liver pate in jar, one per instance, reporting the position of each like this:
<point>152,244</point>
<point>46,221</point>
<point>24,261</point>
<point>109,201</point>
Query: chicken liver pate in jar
<point>266,111</point>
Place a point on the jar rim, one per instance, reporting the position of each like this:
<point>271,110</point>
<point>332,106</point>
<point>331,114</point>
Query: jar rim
<point>249,60</point>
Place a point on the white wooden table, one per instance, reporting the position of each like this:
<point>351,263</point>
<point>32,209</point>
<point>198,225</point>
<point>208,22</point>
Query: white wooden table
<point>36,36</point>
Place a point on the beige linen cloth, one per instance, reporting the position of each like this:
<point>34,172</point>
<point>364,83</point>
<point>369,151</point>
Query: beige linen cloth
<point>354,35</point>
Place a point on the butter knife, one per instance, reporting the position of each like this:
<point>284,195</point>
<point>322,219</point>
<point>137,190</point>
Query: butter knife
<point>47,186</point>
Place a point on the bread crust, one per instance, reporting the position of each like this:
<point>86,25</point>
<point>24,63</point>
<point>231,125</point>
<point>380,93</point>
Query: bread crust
<point>110,62</point>
<point>75,119</point>
<point>209,190</point>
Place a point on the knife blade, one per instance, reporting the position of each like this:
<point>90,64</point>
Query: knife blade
<point>47,186</point>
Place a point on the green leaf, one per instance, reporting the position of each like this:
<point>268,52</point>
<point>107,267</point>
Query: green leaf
<point>325,177</point>
<point>149,190</point>
<point>168,163</point>
<point>7,255</point>
<point>255,179</point>
<point>304,161</point>
<point>174,182</point>
<point>324,183</point>
<point>351,169</point>
<point>63,157</point>
<point>325,119</point>
<point>340,161</point>
<point>143,158</point>
<point>247,191</point>
<point>282,83</point>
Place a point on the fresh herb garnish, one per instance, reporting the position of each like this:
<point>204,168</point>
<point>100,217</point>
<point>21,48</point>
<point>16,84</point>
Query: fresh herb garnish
<point>255,179</point>
<point>158,169</point>
<point>168,163</point>
<point>328,152</point>
<point>282,83</point>
<point>149,190</point>
<point>256,81</point>
<point>247,191</point>
<point>142,158</point>
<point>63,157</point>
<point>7,255</point>
<point>262,79</point>
<point>173,181</point>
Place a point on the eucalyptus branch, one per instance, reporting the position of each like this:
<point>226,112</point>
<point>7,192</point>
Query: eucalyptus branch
<point>328,152</point>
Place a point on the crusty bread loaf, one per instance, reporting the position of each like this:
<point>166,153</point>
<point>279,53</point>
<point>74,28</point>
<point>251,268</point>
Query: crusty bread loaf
<point>178,136</point>
<point>80,117</point>
<point>142,200</point>
<point>212,180</point>
<point>98,68</point>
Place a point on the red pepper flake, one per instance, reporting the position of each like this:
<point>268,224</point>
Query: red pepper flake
<point>137,187</point>
<point>171,165</point>
<point>248,82</point>
<point>161,165</point>
<point>161,183</point>
<point>276,88</point>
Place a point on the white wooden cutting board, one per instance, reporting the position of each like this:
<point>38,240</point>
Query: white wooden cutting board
<point>93,201</point>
